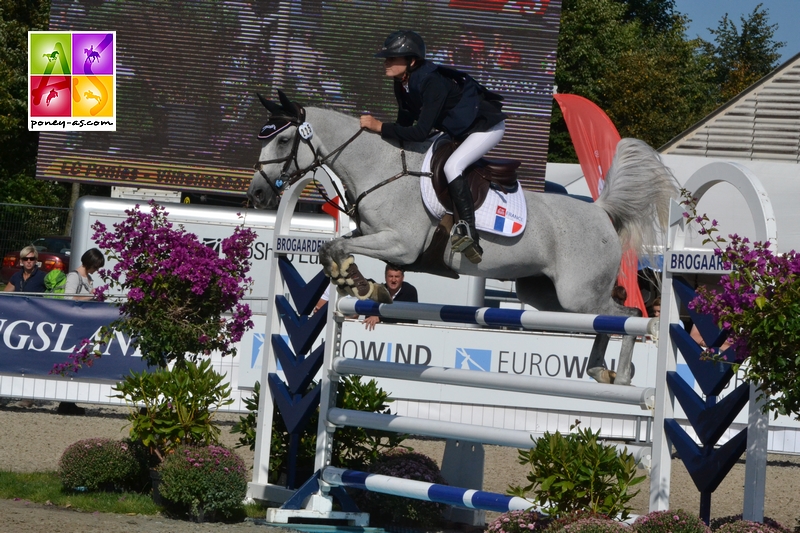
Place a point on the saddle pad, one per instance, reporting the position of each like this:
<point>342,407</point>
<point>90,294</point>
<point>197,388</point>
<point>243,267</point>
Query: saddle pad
<point>501,213</point>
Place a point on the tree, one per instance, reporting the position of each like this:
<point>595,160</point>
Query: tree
<point>657,15</point>
<point>631,58</point>
<point>18,145</point>
<point>659,89</point>
<point>742,56</point>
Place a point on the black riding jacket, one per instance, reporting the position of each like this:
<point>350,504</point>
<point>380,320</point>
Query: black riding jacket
<point>444,99</point>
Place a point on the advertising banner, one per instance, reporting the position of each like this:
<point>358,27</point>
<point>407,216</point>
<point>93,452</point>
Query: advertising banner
<point>37,333</point>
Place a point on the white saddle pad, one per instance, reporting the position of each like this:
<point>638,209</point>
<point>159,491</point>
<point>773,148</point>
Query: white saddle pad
<point>501,213</point>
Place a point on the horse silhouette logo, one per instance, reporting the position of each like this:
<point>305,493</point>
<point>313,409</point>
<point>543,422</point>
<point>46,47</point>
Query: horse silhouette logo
<point>52,56</point>
<point>53,94</point>
<point>91,54</point>
<point>89,95</point>
<point>474,359</point>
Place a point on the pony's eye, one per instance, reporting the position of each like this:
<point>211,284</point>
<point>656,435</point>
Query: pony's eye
<point>283,140</point>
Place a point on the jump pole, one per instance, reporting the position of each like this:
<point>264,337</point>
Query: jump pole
<point>420,490</point>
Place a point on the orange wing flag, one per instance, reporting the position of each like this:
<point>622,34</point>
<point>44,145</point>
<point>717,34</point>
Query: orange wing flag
<point>595,139</point>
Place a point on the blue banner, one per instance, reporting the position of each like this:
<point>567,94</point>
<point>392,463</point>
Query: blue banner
<point>37,333</point>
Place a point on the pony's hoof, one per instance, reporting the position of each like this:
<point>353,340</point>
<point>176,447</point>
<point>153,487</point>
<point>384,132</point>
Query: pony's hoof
<point>602,375</point>
<point>381,294</point>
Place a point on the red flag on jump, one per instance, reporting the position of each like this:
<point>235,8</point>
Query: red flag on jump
<point>595,139</point>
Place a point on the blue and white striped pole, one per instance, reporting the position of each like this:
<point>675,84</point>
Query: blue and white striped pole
<point>490,316</point>
<point>420,490</point>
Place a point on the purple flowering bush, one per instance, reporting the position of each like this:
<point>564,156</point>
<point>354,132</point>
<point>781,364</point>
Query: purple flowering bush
<point>178,289</point>
<point>206,483</point>
<point>594,524</point>
<point>758,305</point>
<point>518,522</point>
<point>735,524</point>
<point>385,509</point>
<point>677,521</point>
<point>98,464</point>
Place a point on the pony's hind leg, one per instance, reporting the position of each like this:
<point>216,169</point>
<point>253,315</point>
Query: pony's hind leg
<point>597,365</point>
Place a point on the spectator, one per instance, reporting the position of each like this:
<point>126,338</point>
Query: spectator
<point>400,290</point>
<point>79,281</point>
<point>655,309</point>
<point>30,278</point>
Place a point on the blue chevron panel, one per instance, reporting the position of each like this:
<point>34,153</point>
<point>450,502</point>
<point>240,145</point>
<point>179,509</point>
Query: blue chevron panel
<point>299,370</point>
<point>712,335</point>
<point>294,409</point>
<point>708,421</point>
<point>712,377</point>
<point>707,469</point>
<point>305,296</point>
<point>302,330</point>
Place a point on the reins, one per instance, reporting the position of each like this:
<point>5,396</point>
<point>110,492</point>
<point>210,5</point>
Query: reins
<point>305,132</point>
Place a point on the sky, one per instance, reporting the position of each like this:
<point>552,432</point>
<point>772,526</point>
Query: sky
<point>707,14</point>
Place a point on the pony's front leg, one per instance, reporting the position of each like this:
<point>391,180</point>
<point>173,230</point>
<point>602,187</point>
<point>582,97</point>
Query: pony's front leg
<point>338,263</point>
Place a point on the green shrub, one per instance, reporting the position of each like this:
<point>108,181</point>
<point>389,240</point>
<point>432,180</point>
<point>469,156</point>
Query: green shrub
<point>518,522</point>
<point>678,521</point>
<point>577,472</point>
<point>353,447</point>
<point>718,523</point>
<point>387,510</point>
<point>175,406</point>
<point>592,525</point>
<point>206,483</point>
<point>94,464</point>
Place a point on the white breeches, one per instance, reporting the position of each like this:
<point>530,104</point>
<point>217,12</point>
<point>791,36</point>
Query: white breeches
<point>473,148</point>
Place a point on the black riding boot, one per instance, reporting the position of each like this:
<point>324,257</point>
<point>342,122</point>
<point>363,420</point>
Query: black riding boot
<point>464,237</point>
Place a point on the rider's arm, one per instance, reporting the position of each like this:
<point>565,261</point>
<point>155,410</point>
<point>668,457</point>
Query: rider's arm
<point>434,97</point>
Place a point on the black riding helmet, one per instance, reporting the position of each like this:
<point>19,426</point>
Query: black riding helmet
<point>403,43</point>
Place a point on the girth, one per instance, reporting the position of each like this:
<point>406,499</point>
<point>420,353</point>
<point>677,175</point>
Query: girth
<point>500,174</point>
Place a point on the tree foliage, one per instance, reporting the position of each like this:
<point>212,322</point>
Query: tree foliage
<point>18,145</point>
<point>742,55</point>
<point>633,59</point>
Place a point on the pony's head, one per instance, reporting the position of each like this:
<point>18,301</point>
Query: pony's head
<point>283,159</point>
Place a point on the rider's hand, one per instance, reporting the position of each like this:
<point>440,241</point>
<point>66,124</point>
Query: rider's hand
<point>371,123</point>
<point>370,321</point>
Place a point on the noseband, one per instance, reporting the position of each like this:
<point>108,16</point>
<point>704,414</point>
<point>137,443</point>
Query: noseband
<point>304,132</point>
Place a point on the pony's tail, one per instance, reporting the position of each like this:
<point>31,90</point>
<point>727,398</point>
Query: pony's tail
<point>637,194</point>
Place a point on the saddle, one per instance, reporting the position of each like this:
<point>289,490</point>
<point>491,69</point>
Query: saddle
<point>482,175</point>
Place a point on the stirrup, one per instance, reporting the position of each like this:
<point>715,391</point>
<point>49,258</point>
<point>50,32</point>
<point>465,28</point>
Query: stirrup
<point>461,241</point>
<point>460,237</point>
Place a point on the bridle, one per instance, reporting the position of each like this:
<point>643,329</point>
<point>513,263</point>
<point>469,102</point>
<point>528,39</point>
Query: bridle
<point>305,133</point>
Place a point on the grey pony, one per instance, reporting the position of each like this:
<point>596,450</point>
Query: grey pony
<point>567,259</point>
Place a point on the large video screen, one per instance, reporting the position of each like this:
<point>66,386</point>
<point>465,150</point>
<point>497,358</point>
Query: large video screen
<point>188,72</point>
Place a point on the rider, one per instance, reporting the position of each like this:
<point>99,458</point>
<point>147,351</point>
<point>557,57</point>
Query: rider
<point>433,96</point>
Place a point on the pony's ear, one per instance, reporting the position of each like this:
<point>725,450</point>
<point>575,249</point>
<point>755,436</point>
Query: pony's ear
<point>272,107</point>
<point>288,105</point>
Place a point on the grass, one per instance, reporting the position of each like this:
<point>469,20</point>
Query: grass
<point>44,487</point>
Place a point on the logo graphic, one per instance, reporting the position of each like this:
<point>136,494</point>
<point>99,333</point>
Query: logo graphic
<point>504,221</point>
<point>474,359</point>
<point>258,348</point>
<point>71,81</point>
